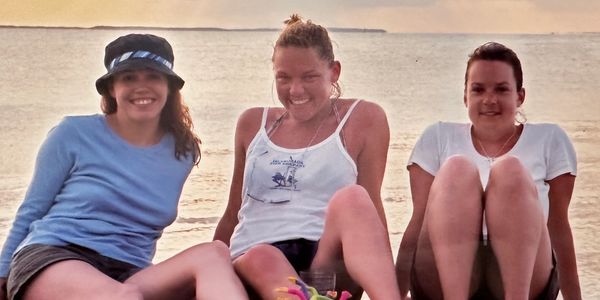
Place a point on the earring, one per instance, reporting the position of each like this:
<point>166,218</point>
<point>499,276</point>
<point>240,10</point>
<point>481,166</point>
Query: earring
<point>336,91</point>
<point>520,117</point>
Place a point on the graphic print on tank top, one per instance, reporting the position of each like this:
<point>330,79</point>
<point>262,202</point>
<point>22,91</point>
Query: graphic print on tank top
<point>306,176</point>
<point>277,179</point>
<point>287,179</point>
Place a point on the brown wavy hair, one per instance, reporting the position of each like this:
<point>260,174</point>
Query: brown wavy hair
<point>174,118</point>
<point>306,34</point>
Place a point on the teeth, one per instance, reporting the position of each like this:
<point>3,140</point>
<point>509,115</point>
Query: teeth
<point>142,101</point>
<point>298,101</point>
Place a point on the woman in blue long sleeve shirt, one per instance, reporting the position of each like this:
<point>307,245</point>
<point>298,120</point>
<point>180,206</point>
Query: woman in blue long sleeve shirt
<point>104,188</point>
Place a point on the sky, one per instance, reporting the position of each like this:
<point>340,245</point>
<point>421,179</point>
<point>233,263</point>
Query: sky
<point>471,16</point>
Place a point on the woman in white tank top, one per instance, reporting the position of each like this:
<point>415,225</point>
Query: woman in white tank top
<point>305,192</point>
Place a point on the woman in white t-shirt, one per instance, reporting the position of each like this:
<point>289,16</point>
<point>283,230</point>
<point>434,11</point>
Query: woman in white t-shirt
<point>490,198</point>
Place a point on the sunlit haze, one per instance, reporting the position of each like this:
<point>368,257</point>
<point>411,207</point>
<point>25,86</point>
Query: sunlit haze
<point>484,16</point>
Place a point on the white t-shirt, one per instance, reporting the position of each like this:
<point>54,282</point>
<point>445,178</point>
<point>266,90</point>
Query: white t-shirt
<point>544,150</point>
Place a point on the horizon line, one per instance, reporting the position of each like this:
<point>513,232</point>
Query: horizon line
<point>269,29</point>
<point>110,27</point>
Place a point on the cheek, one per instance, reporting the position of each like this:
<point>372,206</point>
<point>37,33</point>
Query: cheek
<point>281,88</point>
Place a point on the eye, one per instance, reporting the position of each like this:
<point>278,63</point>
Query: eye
<point>127,77</point>
<point>477,89</point>
<point>155,76</point>
<point>282,78</point>
<point>502,89</point>
<point>310,77</point>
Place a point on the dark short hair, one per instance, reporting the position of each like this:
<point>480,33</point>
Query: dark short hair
<point>493,51</point>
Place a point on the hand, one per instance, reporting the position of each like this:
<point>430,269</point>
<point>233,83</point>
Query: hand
<point>3,295</point>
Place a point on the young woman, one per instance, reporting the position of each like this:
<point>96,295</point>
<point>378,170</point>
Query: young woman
<point>105,187</point>
<point>306,186</point>
<point>491,197</point>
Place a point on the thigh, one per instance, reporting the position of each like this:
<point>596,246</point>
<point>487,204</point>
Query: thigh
<point>424,277</point>
<point>73,279</point>
<point>175,277</point>
<point>544,281</point>
<point>544,265</point>
<point>36,260</point>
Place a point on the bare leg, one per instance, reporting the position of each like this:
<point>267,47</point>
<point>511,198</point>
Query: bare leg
<point>265,268</point>
<point>453,219</point>
<point>353,232</point>
<point>517,229</point>
<point>74,279</point>
<point>204,270</point>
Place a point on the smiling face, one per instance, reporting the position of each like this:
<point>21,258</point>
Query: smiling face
<point>303,80</point>
<point>140,95</point>
<point>491,94</point>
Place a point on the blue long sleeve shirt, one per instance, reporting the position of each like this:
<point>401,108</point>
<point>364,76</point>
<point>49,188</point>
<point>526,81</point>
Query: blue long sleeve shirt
<point>91,188</point>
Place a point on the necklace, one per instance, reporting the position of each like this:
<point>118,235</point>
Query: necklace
<point>279,120</point>
<point>492,158</point>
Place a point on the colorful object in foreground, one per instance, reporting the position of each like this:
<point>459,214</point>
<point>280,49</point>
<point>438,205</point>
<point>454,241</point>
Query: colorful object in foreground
<point>305,292</point>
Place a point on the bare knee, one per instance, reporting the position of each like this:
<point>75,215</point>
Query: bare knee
<point>215,251</point>
<point>457,180</point>
<point>509,169</point>
<point>460,169</point>
<point>509,176</point>
<point>258,258</point>
<point>352,199</point>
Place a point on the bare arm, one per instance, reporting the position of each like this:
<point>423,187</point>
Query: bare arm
<point>247,126</point>
<point>561,190</point>
<point>420,183</point>
<point>372,157</point>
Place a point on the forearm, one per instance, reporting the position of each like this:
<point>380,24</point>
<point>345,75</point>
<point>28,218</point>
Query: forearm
<point>567,265</point>
<point>224,229</point>
<point>403,269</point>
<point>404,261</point>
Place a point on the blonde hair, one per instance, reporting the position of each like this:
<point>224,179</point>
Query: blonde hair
<point>306,34</point>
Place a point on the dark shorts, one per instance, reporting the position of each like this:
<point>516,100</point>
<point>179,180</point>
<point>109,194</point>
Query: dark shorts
<point>550,292</point>
<point>31,261</point>
<point>299,252</point>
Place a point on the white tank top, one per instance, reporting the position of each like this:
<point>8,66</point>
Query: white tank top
<point>286,191</point>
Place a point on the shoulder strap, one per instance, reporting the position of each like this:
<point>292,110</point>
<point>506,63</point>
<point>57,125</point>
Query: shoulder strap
<point>348,113</point>
<point>263,122</point>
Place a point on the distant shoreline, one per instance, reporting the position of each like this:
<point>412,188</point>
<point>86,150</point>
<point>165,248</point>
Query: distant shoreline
<point>333,29</point>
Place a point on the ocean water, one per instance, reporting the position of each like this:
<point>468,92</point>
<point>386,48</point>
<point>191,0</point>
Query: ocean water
<point>417,78</point>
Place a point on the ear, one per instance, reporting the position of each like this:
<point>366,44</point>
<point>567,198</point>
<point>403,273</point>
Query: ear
<point>336,70</point>
<point>465,97</point>
<point>521,95</point>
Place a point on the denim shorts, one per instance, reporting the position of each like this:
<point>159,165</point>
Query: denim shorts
<point>550,292</point>
<point>32,259</point>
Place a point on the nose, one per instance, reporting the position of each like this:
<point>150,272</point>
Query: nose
<point>296,88</point>
<point>490,98</point>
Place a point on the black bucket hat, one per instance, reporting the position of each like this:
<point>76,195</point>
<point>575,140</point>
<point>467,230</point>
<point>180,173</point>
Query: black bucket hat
<point>138,51</point>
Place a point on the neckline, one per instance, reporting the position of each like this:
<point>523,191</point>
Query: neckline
<point>124,142</point>
<point>481,156</point>
<point>296,150</point>
<point>337,131</point>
